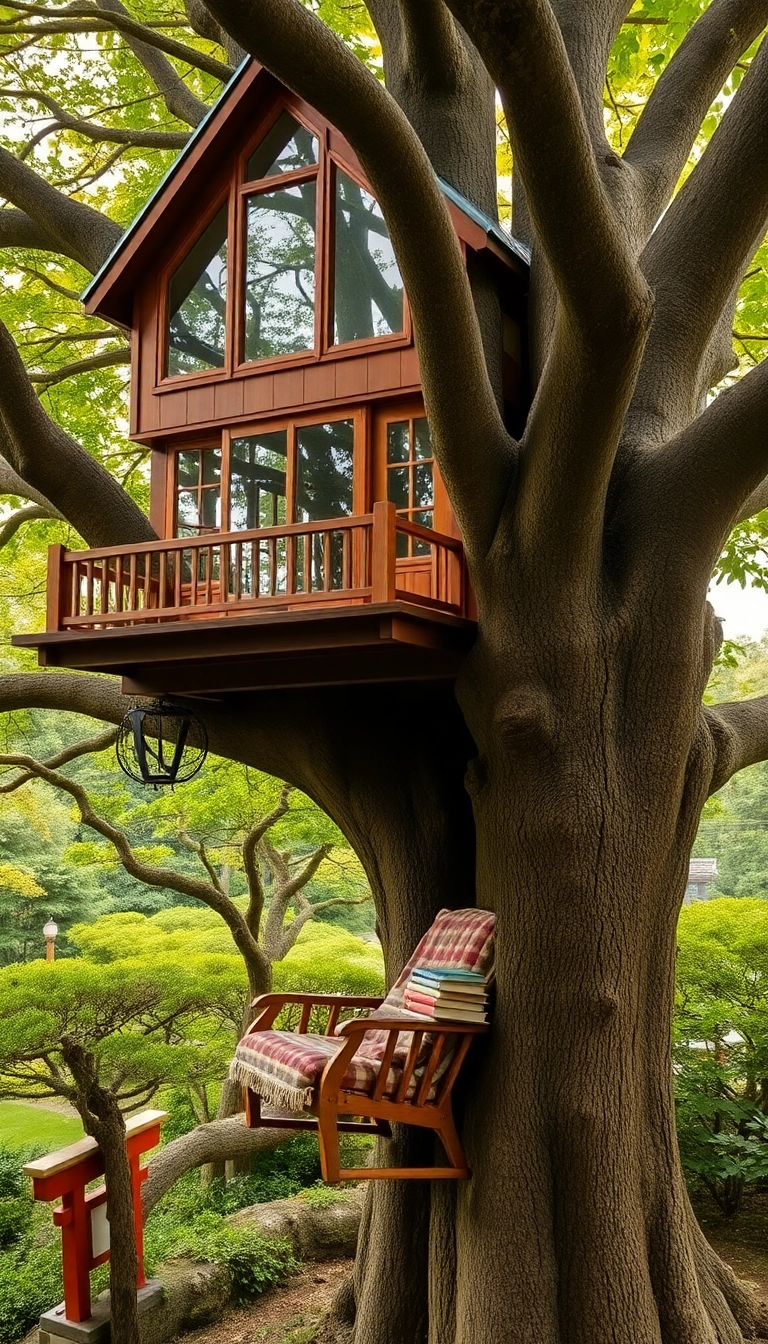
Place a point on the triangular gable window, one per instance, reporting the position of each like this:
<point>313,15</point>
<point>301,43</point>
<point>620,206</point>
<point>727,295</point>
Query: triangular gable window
<point>288,147</point>
<point>296,209</point>
<point>197,301</point>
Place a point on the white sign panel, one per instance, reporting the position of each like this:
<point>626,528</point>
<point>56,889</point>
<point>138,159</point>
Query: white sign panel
<point>99,1230</point>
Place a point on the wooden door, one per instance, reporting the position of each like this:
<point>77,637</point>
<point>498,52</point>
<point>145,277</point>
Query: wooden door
<point>405,473</point>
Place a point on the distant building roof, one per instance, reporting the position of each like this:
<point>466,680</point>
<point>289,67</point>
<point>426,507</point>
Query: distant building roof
<point>702,870</point>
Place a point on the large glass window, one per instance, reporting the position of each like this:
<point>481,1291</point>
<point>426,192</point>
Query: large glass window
<point>197,299</point>
<point>198,492</point>
<point>410,479</point>
<point>324,471</point>
<point>257,480</point>
<point>280,271</point>
<point>368,289</point>
<point>287,147</point>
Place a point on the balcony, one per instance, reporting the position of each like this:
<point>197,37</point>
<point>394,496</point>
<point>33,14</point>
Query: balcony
<point>368,598</point>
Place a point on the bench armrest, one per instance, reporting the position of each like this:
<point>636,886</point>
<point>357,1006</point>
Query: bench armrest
<point>358,1026</point>
<point>268,1006</point>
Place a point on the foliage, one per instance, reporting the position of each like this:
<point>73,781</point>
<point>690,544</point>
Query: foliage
<point>254,1262</point>
<point>324,959</point>
<point>148,1021</point>
<point>19,1125</point>
<point>721,1045</point>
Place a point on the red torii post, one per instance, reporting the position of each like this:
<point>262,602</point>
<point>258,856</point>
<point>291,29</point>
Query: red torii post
<point>81,1215</point>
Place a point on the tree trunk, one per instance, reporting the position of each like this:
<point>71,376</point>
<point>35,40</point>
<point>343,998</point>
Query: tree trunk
<point>103,1120</point>
<point>575,1227</point>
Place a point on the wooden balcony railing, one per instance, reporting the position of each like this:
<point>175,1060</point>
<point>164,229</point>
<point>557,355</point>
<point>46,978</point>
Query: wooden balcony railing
<point>339,560</point>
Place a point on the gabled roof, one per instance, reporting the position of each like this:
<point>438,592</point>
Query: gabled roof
<point>110,293</point>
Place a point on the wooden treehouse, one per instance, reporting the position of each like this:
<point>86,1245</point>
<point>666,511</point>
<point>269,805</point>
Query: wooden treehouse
<point>306,536</point>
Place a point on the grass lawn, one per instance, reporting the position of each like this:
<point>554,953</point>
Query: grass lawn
<point>24,1126</point>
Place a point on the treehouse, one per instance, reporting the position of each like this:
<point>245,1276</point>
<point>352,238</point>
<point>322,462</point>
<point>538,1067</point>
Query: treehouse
<point>305,532</point>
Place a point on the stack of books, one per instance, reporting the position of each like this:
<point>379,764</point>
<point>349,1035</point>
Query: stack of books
<point>447,995</point>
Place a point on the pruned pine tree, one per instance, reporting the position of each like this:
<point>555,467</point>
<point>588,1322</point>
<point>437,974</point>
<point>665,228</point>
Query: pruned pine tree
<point>579,727</point>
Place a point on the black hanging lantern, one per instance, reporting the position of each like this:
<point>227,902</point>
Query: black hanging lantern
<point>162,743</point>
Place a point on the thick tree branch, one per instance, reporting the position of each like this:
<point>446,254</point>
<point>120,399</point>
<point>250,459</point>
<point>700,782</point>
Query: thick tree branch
<point>179,100</point>
<point>27,514</point>
<point>42,453</point>
<point>598,282</point>
<point>475,453</point>
<point>104,360</point>
<point>218,1141</point>
<point>739,732</point>
<point>202,21</point>
<point>693,492</point>
<point>18,229</point>
<point>12,484</point>
<point>718,218</point>
<point>672,117</point>
<point>78,230</point>
<point>434,50</point>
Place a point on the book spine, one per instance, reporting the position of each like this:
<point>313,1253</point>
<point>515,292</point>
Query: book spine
<point>445,1000</point>
<point>426,1009</point>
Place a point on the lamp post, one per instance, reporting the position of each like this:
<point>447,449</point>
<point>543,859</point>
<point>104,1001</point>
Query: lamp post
<point>50,931</point>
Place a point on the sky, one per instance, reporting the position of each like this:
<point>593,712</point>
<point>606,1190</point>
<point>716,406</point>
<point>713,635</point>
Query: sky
<point>744,611</point>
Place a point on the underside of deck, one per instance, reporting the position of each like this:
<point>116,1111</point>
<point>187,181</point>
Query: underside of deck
<point>376,642</point>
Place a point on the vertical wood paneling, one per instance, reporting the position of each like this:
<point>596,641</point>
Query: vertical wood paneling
<point>148,408</point>
<point>228,399</point>
<point>319,383</point>
<point>289,388</point>
<point>384,371</point>
<point>200,402</point>
<point>173,409</point>
<point>158,471</point>
<point>352,377</point>
<point>259,393</point>
<point>409,367</point>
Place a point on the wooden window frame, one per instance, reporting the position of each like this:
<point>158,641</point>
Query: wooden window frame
<point>234,188</point>
<point>361,472</point>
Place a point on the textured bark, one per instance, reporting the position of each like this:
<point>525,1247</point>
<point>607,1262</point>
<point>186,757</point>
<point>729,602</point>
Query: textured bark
<point>103,1120</point>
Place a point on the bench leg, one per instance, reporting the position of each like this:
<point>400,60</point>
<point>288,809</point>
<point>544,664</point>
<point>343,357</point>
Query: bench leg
<point>328,1140</point>
<point>452,1144</point>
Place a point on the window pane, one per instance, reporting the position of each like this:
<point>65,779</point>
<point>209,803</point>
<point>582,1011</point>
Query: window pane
<point>286,147</point>
<point>397,487</point>
<point>189,468</point>
<point>398,442</point>
<point>280,272</point>
<point>422,437</point>
<point>422,494</point>
<point>197,303</point>
<point>324,471</point>
<point>210,509</point>
<point>425,520</point>
<point>257,481</point>
<point>186,511</point>
<point>369,290</point>
<point>211,460</point>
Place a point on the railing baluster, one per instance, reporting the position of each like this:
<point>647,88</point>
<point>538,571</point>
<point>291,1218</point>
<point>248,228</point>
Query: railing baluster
<point>208,571</point>
<point>308,558</point>
<point>119,583</point>
<point>272,565</point>
<point>178,560</point>
<point>163,579</point>
<point>327,561</point>
<point>238,570</point>
<point>195,554</point>
<point>89,587</point>
<point>132,582</point>
<point>290,565</point>
<point>346,558</point>
<point>74,600</point>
